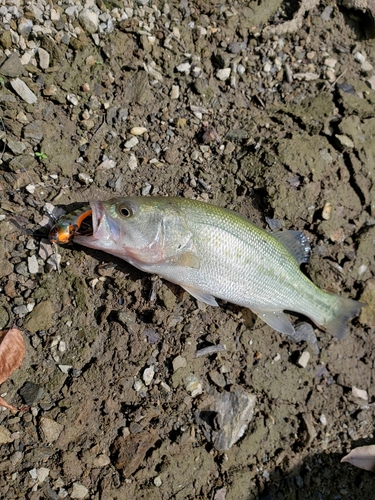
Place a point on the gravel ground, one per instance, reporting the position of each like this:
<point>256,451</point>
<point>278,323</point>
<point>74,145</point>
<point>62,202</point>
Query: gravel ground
<point>130,382</point>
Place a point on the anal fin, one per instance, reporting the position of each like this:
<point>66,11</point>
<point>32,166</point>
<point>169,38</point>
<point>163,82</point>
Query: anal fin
<point>276,320</point>
<point>200,295</point>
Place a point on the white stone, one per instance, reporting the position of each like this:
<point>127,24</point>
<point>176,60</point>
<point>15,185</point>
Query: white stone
<point>32,264</point>
<point>267,67</point>
<point>50,429</point>
<point>107,164</point>
<point>72,98</point>
<point>133,162</point>
<point>20,87</point>
<point>101,460</point>
<point>148,375</point>
<point>330,62</point>
<point>323,419</point>
<point>366,67</point>
<point>89,20</point>
<point>359,57</point>
<point>43,58</point>
<point>303,359</point>
<point>30,188</point>
<point>184,67</point>
<point>42,474</point>
<point>133,141</point>
<point>175,92</point>
<point>223,74</point>
<point>157,481</point>
<point>359,393</point>
<point>79,491</point>
<point>138,130</point>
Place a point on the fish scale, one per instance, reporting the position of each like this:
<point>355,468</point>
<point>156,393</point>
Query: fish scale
<point>214,252</point>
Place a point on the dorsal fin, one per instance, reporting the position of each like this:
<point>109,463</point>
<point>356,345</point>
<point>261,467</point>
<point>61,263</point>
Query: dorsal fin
<point>296,242</point>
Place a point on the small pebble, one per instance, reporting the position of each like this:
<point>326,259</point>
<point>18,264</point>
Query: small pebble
<point>33,265</point>
<point>157,481</point>
<point>323,419</point>
<point>133,141</point>
<point>184,67</point>
<point>175,92</point>
<point>133,162</point>
<point>72,98</point>
<point>148,375</point>
<point>138,131</point>
<point>366,67</point>
<point>327,211</point>
<point>359,57</point>
<point>179,362</point>
<point>42,474</point>
<point>359,393</point>
<point>79,491</point>
<point>20,87</point>
<point>223,74</point>
<point>43,58</point>
<point>84,178</point>
<point>303,359</point>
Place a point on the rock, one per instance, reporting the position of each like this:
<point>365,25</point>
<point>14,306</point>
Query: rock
<point>43,58</point>
<point>138,130</point>
<point>34,132</point>
<point>359,393</point>
<point>230,414</point>
<point>133,162</point>
<point>175,92</point>
<point>50,429</point>
<point>107,164</point>
<point>193,385</point>
<point>133,141</point>
<point>148,375</point>
<point>184,67</point>
<point>12,66</point>
<point>33,265</point>
<point>89,20</point>
<point>17,147</point>
<point>344,141</point>
<point>223,74</point>
<point>31,393</point>
<point>172,155</point>
<point>41,317</point>
<point>42,474</point>
<point>25,27</point>
<point>79,491</point>
<point>359,57</point>
<point>101,460</point>
<point>129,452</point>
<point>20,87</point>
<point>5,435</point>
<point>179,362</point>
<point>303,359</point>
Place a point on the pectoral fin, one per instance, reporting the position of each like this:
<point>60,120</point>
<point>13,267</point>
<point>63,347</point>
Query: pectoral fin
<point>277,320</point>
<point>202,296</point>
<point>189,259</point>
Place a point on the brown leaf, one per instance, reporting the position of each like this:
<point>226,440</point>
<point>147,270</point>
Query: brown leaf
<point>12,352</point>
<point>362,457</point>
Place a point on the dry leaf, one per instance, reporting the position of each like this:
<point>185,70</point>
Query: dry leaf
<point>362,457</point>
<point>12,352</point>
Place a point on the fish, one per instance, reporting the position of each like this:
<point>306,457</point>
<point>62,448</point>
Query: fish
<point>69,225</point>
<point>215,253</point>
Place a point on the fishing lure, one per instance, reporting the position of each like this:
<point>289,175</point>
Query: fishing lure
<point>69,225</point>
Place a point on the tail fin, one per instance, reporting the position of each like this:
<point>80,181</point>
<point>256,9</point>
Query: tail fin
<point>342,311</point>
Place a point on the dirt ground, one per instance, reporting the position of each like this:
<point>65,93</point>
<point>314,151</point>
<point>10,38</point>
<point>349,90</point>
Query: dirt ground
<point>278,126</point>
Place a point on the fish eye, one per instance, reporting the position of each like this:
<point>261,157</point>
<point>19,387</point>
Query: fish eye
<point>125,211</point>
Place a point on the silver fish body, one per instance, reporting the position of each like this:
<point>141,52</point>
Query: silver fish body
<point>213,252</point>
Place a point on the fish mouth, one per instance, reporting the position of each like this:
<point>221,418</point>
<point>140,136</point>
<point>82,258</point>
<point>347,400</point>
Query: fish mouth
<point>100,227</point>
